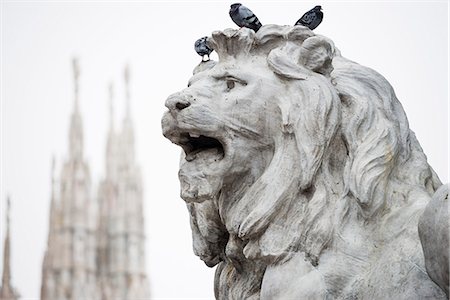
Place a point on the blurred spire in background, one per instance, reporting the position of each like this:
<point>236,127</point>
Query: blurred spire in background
<point>121,234</point>
<point>7,292</point>
<point>96,246</point>
<point>69,267</point>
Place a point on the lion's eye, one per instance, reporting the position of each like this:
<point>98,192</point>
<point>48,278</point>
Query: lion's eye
<point>232,81</point>
<point>230,84</point>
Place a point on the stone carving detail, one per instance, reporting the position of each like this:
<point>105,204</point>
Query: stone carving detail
<point>300,173</point>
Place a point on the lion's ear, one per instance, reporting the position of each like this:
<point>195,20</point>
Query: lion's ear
<point>316,54</point>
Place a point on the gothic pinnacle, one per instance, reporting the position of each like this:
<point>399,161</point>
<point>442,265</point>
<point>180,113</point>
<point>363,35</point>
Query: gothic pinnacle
<point>76,75</point>
<point>111,104</point>
<point>126,75</point>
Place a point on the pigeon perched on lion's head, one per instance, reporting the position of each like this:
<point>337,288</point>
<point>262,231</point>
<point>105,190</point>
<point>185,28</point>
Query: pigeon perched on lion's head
<point>202,48</point>
<point>312,18</point>
<point>244,17</point>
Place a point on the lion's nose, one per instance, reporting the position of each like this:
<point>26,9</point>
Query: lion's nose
<point>176,102</point>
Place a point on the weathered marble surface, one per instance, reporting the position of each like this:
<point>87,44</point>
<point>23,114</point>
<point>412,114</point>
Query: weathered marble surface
<point>300,173</point>
<point>434,235</point>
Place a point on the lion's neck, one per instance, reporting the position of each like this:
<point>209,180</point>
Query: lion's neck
<point>230,195</point>
<point>305,223</point>
<point>294,224</point>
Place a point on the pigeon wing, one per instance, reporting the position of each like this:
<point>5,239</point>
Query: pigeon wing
<point>249,19</point>
<point>316,21</point>
<point>245,12</point>
<point>309,18</point>
<point>306,19</point>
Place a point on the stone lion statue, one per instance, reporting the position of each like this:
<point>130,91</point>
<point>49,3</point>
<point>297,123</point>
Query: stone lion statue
<point>300,173</point>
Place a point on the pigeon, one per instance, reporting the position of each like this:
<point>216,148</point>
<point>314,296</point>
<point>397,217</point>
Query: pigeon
<point>244,17</point>
<point>202,48</point>
<point>312,18</point>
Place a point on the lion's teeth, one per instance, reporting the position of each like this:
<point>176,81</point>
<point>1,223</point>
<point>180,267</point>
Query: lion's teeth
<point>190,157</point>
<point>194,135</point>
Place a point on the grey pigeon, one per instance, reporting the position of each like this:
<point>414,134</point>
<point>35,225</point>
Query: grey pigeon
<point>201,47</point>
<point>244,17</point>
<point>312,18</point>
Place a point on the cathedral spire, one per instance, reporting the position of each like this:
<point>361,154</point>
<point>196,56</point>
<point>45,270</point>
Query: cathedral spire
<point>6,290</point>
<point>111,105</point>
<point>69,265</point>
<point>121,231</point>
<point>126,76</point>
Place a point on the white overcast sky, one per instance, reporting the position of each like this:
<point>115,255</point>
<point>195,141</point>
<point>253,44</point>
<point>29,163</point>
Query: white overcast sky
<point>407,42</point>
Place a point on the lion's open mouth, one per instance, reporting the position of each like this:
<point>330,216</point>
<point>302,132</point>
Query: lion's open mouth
<point>197,145</point>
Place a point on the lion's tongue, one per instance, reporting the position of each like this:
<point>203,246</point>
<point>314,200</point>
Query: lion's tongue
<point>205,156</point>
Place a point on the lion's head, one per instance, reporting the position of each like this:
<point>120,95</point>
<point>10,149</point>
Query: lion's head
<point>285,143</point>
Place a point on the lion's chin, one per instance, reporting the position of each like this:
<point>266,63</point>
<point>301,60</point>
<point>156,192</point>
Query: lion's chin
<point>201,178</point>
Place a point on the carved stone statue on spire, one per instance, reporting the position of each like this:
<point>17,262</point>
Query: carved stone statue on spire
<point>111,105</point>
<point>127,136</point>
<point>76,129</point>
<point>76,76</point>
<point>126,76</point>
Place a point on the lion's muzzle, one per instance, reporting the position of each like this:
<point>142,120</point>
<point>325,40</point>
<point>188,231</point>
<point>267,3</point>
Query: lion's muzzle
<point>177,102</point>
<point>187,125</point>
